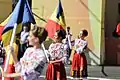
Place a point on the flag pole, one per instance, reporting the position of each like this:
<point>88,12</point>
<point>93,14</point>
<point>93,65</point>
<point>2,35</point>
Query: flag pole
<point>11,44</point>
<point>45,52</point>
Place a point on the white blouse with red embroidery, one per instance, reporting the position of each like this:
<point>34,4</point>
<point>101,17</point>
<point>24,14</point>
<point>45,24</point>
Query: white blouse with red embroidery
<point>80,45</point>
<point>57,51</point>
<point>29,62</point>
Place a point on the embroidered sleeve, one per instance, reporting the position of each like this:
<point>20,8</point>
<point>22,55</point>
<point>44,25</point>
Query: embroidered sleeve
<point>64,53</point>
<point>41,60</point>
<point>23,59</point>
<point>80,45</point>
<point>50,50</point>
<point>18,67</point>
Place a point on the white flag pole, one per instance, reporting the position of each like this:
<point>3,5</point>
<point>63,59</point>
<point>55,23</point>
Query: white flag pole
<point>9,51</point>
<point>45,52</point>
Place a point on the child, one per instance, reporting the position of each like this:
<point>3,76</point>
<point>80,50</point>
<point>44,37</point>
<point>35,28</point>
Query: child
<point>57,52</point>
<point>32,63</point>
<point>79,63</point>
<point>68,43</point>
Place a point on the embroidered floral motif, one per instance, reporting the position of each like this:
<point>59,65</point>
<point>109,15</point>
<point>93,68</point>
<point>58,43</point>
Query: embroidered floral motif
<point>57,51</point>
<point>33,59</point>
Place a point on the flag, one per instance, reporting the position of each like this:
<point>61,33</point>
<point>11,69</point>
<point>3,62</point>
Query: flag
<point>56,21</point>
<point>21,14</point>
<point>2,25</point>
<point>1,29</point>
<point>10,67</point>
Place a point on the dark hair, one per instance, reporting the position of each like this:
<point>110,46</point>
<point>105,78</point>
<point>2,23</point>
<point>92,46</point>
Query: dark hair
<point>61,33</point>
<point>68,27</point>
<point>85,32</point>
<point>26,24</point>
<point>40,32</point>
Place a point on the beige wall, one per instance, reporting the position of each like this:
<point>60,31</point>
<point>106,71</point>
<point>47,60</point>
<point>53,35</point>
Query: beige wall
<point>79,14</point>
<point>76,16</point>
<point>5,8</point>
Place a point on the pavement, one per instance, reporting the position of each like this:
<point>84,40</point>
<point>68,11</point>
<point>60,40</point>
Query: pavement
<point>94,73</point>
<point>104,73</point>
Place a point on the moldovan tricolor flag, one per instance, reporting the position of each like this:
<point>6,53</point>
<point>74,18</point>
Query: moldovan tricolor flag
<point>21,14</point>
<point>2,25</point>
<point>56,21</point>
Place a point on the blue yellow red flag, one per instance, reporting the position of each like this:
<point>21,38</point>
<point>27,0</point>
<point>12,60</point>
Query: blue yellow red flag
<point>2,25</point>
<point>56,21</point>
<point>21,14</point>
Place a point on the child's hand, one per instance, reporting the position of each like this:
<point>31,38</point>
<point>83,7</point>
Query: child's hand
<point>2,72</point>
<point>81,69</point>
<point>77,46</point>
<point>11,49</point>
<point>51,62</point>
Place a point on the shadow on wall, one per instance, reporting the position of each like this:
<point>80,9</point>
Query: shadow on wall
<point>96,17</point>
<point>89,59</point>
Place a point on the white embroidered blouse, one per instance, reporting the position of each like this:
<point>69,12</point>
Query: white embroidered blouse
<point>29,62</point>
<point>80,45</point>
<point>57,51</point>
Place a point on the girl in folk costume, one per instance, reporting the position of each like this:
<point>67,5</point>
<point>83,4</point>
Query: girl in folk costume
<point>79,63</point>
<point>32,63</point>
<point>57,55</point>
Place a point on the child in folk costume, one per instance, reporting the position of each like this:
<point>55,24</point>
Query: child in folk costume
<point>32,63</point>
<point>57,55</point>
<point>79,63</point>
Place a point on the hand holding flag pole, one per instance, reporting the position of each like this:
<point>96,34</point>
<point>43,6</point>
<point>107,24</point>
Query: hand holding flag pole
<point>45,52</point>
<point>21,14</point>
<point>9,52</point>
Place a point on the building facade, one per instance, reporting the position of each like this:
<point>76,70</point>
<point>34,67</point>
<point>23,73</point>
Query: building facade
<point>79,14</point>
<point>6,9</point>
<point>99,18</point>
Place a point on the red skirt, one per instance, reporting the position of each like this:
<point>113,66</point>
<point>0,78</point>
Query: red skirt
<point>79,60</point>
<point>54,69</point>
